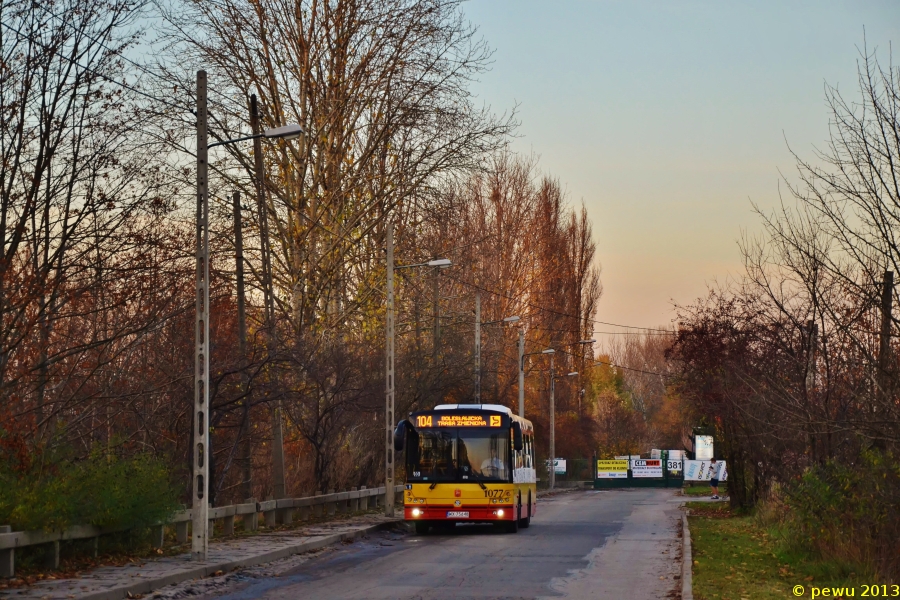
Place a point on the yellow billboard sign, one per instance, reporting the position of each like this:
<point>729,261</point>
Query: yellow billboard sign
<point>612,469</point>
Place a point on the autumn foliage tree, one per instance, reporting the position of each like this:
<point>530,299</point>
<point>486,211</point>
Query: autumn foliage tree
<point>796,363</point>
<point>97,234</point>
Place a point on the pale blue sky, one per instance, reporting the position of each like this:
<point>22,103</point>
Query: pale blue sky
<point>667,118</point>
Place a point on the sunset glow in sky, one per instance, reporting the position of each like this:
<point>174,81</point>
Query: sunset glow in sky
<point>667,118</point>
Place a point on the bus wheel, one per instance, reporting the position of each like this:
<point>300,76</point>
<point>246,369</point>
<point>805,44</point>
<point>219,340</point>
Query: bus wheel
<point>513,526</point>
<point>525,522</point>
<point>421,527</point>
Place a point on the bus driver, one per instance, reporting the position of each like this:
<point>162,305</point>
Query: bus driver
<point>493,466</point>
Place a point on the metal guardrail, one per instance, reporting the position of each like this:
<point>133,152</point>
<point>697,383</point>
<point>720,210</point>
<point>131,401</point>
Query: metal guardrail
<point>283,511</point>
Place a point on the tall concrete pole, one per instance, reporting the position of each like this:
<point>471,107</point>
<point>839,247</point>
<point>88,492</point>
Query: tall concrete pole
<point>812,329</point>
<point>247,445</point>
<point>884,349</point>
<point>389,380</point>
<point>552,425</point>
<point>436,304</point>
<point>477,348</point>
<point>521,372</point>
<point>201,450</point>
<point>268,298</point>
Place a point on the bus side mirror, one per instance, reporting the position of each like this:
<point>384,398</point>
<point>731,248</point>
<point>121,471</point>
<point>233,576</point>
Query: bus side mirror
<point>517,437</point>
<point>400,434</point>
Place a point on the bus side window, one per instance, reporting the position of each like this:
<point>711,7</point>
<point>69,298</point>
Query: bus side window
<point>525,451</point>
<point>519,456</point>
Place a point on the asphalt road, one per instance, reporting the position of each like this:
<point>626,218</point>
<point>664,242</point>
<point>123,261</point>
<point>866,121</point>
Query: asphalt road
<point>618,544</point>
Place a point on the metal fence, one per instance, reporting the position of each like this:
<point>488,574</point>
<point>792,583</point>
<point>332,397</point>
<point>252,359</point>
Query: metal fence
<point>282,511</point>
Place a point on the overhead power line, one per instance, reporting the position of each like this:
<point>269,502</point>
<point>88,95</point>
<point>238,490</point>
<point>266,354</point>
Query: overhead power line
<point>601,362</point>
<point>550,310</point>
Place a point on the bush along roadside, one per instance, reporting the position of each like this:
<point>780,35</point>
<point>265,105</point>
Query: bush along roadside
<point>847,511</point>
<point>50,490</point>
<point>742,556</point>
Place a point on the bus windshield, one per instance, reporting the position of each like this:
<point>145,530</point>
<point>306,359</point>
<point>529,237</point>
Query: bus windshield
<point>486,453</point>
<point>431,455</point>
<point>460,455</point>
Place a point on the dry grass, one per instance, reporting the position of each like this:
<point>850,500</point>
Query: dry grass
<point>736,558</point>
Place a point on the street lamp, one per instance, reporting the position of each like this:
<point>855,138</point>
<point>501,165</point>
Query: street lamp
<point>288,132</point>
<point>478,324</point>
<point>202,451</point>
<point>553,420</point>
<point>551,352</point>
<point>440,263</point>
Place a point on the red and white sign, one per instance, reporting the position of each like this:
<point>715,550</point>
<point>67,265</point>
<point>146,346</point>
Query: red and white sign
<point>646,467</point>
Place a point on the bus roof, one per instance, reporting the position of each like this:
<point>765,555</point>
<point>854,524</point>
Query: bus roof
<point>495,407</point>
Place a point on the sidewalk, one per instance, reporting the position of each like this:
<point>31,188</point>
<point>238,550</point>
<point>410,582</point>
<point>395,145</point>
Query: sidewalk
<point>643,560</point>
<point>113,583</point>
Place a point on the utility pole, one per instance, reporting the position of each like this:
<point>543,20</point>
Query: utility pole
<point>812,328</point>
<point>884,338</point>
<point>552,425</point>
<point>477,347</point>
<point>389,495</point>
<point>242,344</point>
<point>268,300</point>
<point>201,450</point>
<point>436,304</point>
<point>521,372</point>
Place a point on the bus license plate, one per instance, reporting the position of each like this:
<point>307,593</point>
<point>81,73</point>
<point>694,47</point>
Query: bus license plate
<point>457,514</point>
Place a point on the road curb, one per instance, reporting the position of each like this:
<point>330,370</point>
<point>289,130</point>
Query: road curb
<point>687,588</point>
<point>147,586</point>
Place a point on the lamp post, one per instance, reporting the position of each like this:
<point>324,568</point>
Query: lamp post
<point>441,263</point>
<point>201,451</point>
<point>552,352</point>
<point>522,355</point>
<point>521,372</point>
<point>478,325</point>
<point>581,392</point>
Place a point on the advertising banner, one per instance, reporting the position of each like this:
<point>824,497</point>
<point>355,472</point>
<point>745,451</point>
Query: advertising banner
<point>612,469</point>
<point>703,447</point>
<point>699,470</point>
<point>559,466</point>
<point>646,468</point>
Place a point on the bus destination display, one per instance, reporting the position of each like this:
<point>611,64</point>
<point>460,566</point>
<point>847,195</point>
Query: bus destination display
<point>458,421</point>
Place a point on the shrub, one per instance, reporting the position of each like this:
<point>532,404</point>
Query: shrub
<point>849,512</point>
<point>51,491</point>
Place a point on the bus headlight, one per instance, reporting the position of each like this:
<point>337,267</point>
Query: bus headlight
<point>416,512</point>
<point>500,513</point>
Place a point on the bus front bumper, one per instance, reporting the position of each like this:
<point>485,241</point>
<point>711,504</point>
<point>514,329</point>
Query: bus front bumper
<point>459,513</point>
